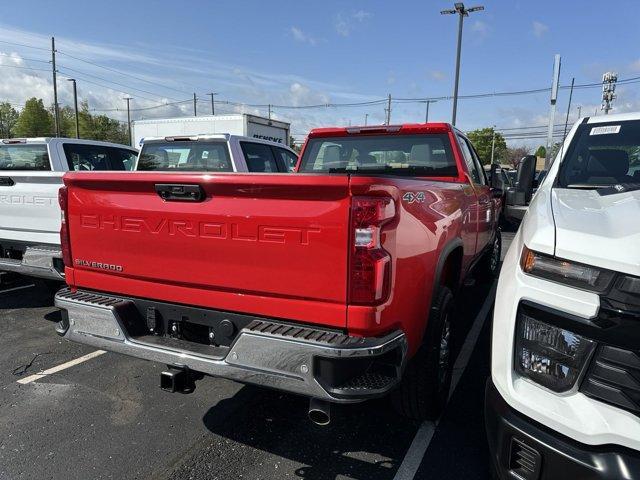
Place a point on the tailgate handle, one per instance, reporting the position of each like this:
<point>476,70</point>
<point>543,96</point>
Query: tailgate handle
<point>6,182</point>
<point>172,192</point>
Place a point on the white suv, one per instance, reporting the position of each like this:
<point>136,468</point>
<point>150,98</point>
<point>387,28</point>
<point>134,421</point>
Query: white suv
<point>563,400</point>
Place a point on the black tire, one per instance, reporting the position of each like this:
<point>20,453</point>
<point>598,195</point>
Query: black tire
<point>424,390</point>
<point>489,266</point>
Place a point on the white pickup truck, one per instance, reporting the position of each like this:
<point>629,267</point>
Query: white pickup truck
<point>215,153</point>
<point>30,176</point>
<point>563,400</point>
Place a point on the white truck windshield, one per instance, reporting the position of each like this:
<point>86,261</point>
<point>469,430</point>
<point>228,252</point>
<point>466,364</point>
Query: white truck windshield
<point>602,155</point>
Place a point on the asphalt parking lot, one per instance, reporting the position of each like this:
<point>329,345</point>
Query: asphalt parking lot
<point>67,411</point>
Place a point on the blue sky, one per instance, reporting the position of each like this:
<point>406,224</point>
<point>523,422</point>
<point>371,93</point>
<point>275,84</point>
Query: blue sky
<point>300,53</point>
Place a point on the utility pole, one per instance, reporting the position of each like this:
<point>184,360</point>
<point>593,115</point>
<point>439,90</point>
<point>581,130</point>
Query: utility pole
<point>195,100</point>
<point>128,99</point>
<point>552,113</point>
<point>609,80</point>
<point>56,111</point>
<point>493,143</point>
<point>75,105</point>
<point>366,117</point>
<point>213,105</point>
<point>388,110</point>
<point>579,111</point>
<point>462,12</point>
<point>426,117</point>
<point>269,111</point>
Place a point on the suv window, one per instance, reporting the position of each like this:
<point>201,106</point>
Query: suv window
<point>289,159</point>
<point>259,157</point>
<point>98,157</point>
<point>468,159</point>
<point>193,156</point>
<point>24,157</point>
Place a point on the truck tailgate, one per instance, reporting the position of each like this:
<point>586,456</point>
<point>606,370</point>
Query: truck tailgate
<point>29,208</point>
<point>262,244</point>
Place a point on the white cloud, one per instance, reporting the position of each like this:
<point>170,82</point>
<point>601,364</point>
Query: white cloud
<point>437,75</point>
<point>344,23</point>
<point>302,37</point>
<point>480,28</point>
<point>362,15</point>
<point>539,29</point>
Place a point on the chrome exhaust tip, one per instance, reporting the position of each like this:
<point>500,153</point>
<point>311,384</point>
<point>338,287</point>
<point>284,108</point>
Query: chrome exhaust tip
<point>319,412</point>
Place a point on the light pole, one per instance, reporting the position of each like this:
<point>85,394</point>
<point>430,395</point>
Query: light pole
<point>366,117</point>
<point>462,12</point>
<point>75,105</point>
<point>128,99</point>
<point>426,117</point>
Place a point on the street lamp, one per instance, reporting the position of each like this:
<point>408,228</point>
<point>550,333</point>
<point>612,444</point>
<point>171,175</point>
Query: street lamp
<point>75,105</point>
<point>462,12</point>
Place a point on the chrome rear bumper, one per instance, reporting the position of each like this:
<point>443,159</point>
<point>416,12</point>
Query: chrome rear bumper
<point>266,353</point>
<point>37,261</point>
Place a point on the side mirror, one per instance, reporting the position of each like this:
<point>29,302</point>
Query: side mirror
<point>496,176</point>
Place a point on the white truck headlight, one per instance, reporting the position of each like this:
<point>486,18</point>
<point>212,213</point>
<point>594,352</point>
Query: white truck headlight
<point>550,356</point>
<point>563,271</point>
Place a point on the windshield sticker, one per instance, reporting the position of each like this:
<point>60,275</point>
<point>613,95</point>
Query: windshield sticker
<point>608,130</point>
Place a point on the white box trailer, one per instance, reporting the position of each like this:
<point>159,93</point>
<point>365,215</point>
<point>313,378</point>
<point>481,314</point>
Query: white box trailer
<point>238,124</point>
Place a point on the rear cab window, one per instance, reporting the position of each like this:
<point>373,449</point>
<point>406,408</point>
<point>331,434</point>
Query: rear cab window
<point>87,157</point>
<point>419,155</point>
<point>192,155</point>
<point>260,158</point>
<point>602,155</point>
<point>29,157</point>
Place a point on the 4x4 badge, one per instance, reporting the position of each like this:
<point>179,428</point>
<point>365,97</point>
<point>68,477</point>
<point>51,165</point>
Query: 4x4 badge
<point>411,197</point>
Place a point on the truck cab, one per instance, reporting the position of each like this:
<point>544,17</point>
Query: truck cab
<point>31,171</point>
<point>563,400</point>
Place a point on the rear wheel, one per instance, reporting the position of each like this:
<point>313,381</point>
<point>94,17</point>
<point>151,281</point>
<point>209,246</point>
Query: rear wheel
<point>424,389</point>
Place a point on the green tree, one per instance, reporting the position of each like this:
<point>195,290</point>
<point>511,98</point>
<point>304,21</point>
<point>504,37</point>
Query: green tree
<point>34,120</point>
<point>8,119</point>
<point>100,127</point>
<point>541,151</point>
<point>482,140</point>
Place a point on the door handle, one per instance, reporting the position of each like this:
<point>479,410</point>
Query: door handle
<point>6,182</point>
<point>172,192</point>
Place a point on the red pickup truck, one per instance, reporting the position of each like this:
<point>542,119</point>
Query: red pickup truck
<point>337,282</point>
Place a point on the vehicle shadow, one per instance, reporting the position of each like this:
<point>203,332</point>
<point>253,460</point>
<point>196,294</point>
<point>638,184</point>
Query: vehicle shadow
<point>20,294</point>
<point>363,441</point>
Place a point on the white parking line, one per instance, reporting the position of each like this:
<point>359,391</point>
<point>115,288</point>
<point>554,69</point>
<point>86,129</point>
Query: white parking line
<point>23,287</point>
<point>59,368</point>
<point>424,435</point>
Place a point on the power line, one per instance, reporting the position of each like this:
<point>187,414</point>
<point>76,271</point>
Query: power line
<point>24,45</point>
<point>120,72</point>
<point>115,83</point>
<point>105,86</point>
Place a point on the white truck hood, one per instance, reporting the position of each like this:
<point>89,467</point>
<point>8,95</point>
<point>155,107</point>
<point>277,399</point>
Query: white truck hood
<point>599,230</point>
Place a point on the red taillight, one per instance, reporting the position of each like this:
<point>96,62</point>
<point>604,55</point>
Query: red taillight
<point>370,264</point>
<point>65,243</point>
